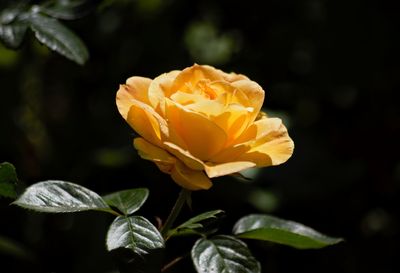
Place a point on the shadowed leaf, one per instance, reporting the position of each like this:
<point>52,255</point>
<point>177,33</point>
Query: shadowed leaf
<point>127,201</point>
<point>59,38</point>
<point>68,10</point>
<point>13,34</point>
<point>273,229</point>
<point>8,180</point>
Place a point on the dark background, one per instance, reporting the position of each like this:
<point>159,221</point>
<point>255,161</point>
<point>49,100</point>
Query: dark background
<point>330,70</point>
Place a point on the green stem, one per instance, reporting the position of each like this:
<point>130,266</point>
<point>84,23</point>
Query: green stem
<point>183,196</point>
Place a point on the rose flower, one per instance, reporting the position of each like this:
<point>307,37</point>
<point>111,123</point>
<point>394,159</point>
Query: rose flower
<point>201,123</point>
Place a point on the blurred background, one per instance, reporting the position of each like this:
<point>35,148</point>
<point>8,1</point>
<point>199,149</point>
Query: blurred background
<point>330,69</point>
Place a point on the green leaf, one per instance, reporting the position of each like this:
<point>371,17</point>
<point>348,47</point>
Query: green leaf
<point>60,196</point>
<point>135,233</point>
<point>196,224</point>
<point>127,201</point>
<point>136,245</point>
<point>68,9</point>
<point>57,37</point>
<point>273,229</point>
<point>13,34</point>
<point>8,180</point>
<point>223,254</point>
<point>195,221</point>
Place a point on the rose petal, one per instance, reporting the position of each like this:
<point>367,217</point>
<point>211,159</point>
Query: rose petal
<point>207,107</point>
<point>273,148</point>
<point>190,179</point>
<point>232,77</point>
<point>233,121</point>
<point>255,95</point>
<point>135,88</point>
<point>185,156</point>
<point>214,170</point>
<point>186,98</point>
<point>148,151</point>
<point>202,137</point>
<point>259,129</point>
<point>230,153</point>
<point>159,88</point>
<point>147,123</point>
<point>189,77</point>
<point>265,142</point>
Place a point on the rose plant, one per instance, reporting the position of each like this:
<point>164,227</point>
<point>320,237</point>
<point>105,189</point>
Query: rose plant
<point>194,124</point>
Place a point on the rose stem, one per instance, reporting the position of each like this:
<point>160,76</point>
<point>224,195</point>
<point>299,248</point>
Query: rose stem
<point>172,263</point>
<point>183,196</point>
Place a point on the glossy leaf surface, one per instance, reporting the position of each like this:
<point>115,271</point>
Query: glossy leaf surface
<point>127,201</point>
<point>195,221</point>
<point>59,38</point>
<point>223,254</point>
<point>197,224</point>
<point>135,233</point>
<point>273,229</point>
<point>68,9</point>
<point>60,196</point>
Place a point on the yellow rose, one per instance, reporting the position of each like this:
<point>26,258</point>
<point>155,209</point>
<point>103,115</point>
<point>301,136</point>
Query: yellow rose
<point>201,123</point>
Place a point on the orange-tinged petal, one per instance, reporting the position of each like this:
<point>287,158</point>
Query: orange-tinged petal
<point>186,98</point>
<point>273,148</point>
<point>214,170</point>
<point>158,89</point>
<point>253,145</point>
<point>260,128</point>
<point>255,95</point>
<point>230,153</point>
<point>185,156</point>
<point>190,179</point>
<point>189,77</point>
<point>232,77</point>
<point>207,107</point>
<point>233,121</point>
<point>135,88</point>
<point>148,151</point>
<point>203,137</point>
<point>147,123</point>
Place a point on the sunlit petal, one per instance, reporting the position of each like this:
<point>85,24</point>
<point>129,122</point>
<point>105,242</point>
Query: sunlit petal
<point>203,138</point>
<point>159,88</point>
<point>147,123</point>
<point>254,93</point>
<point>234,120</point>
<point>135,88</point>
<point>148,151</point>
<point>184,156</point>
<point>260,128</point>
<point>273,148</point>
<point>214,170</point>
<point>189,77</point>
<point>190,179</point>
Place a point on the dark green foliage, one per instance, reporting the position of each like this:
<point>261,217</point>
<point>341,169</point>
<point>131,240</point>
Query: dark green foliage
<point>273,229</point>
<point>127,201</point>
<point>141,238</point>
<point>60,196</point>
<point>57,37</point>
<point>8,180</point>
<point>201,224</point>
<point>223,254</point>
<point>49,31</point>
